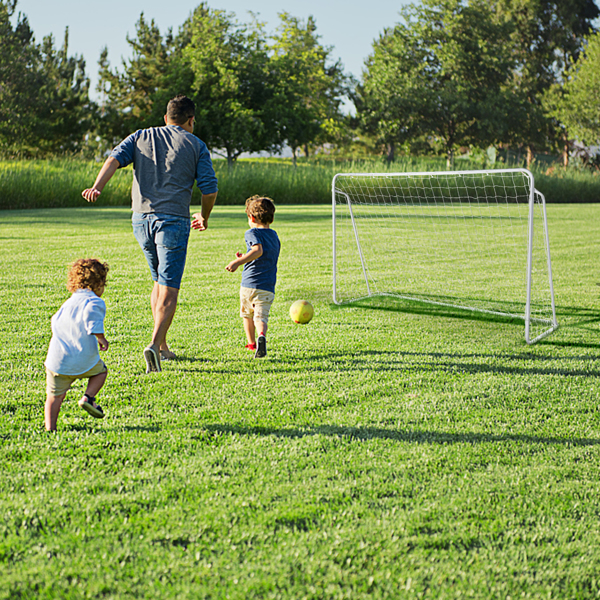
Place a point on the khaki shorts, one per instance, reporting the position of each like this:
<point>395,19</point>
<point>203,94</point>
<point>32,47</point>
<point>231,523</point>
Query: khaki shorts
<point>255,304</point>
<point>57,384</point>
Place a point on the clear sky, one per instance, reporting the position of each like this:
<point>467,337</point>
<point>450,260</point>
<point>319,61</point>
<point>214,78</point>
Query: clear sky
<point>350,26</point>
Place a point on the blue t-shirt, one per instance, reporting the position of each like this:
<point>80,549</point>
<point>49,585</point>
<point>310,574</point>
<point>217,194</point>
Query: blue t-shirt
<point>261,273</point>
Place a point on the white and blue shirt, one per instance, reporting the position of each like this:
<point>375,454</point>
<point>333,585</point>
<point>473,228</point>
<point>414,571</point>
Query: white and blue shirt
<point>73,348</point>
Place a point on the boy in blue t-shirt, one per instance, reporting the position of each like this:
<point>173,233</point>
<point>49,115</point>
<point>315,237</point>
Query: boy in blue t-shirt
<point>260,272</point>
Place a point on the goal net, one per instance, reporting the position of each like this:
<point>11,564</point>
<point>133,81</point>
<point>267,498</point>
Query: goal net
<point>470,240</point>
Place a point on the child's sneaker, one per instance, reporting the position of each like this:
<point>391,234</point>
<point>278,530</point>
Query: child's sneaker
<point>88,403</point>
<point>261,350</point>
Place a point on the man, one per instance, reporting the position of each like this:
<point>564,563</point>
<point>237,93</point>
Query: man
<point>166,161</point>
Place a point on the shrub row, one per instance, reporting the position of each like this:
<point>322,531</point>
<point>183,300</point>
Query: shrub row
<point>58,183</point>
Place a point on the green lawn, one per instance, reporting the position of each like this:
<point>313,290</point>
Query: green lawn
<point>392,451</point>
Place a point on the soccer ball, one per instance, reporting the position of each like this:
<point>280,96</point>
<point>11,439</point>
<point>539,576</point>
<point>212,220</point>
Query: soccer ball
<point>301,311</point>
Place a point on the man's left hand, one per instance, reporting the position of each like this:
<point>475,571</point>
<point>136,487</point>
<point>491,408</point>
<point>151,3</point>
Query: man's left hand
<point>199,222</point>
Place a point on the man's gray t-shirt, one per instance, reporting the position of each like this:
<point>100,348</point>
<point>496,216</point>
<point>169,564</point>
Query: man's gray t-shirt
<point>166,162</point>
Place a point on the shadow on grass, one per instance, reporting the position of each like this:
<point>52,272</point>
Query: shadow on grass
<point>182,358</point>
<point>453,363</point>
<point>141,428</point>
<point>394,362</point>
<point>577,317</point>
<point>569,344</point>
<point>419,437</point>
<point>426,307</point>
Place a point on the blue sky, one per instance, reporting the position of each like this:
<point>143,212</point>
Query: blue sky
<point>349,26</point>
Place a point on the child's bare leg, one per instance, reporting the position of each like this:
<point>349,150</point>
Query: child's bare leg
<point>95,384</point>
<point>261,327</point>
<point>250,330</point>
<point>51,410</point>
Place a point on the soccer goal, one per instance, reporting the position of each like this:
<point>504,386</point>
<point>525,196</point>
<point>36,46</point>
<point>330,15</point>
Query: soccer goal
<point>470,240</point>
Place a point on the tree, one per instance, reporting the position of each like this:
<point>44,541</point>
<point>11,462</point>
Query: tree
<point>308,89</point>
<point>577,103</point>
<point>442,73</point>
<point>393,87</point>
<point>545,37</point>
<point>44,101</point>
<point>137,97</point>
<point>232,83</point>
<point>19,82</point>
<point>66,113</point>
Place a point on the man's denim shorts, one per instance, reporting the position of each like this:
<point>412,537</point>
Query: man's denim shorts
<point>164,240</point>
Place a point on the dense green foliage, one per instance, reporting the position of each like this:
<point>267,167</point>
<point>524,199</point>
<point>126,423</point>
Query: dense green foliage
<point>546,36</point>
<point>472,73</point>
<point>390,451</point>
<point>450,76</point>
<point>442,73</point>
<point>59,183</point>
<point>254,91</point>
<point>576,103</point>
<point>44,102</point>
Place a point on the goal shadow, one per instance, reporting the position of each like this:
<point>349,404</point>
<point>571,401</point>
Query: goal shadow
<point>436,306</point>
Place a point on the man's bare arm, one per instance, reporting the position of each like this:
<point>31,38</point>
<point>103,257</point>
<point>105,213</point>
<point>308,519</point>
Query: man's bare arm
<point>201,219</point>
<point>108,169</point>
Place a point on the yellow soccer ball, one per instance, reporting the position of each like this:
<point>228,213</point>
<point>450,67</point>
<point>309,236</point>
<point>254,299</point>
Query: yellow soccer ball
<point>301,311</point>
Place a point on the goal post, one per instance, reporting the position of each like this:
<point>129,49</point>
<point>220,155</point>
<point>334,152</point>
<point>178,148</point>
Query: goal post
<point>469,240</point>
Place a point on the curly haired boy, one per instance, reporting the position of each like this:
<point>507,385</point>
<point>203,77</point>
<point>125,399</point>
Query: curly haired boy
<point>77,331</point>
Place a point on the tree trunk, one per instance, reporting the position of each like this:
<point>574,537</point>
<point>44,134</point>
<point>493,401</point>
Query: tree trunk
<point>450,157</point>
<point>306,152</point>
<point>565,152</point>
<point>294,162</point>
<point>391,152</point>
<point>530,157</point>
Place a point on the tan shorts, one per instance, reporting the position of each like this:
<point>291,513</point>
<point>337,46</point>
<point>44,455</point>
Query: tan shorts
<point>57,384</point>
<point>255,304</point>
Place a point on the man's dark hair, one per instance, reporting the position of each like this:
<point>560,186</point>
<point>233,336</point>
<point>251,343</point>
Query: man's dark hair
<point>180,109</point>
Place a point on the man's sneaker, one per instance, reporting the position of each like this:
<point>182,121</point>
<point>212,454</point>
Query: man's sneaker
<point>261,350</point>
<point>152,360</point>
<point>88,403</point>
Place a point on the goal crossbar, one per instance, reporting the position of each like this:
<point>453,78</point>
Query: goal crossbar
<point>469,240</point>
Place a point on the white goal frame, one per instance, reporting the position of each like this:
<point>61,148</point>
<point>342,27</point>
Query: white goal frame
<point>341,197</point>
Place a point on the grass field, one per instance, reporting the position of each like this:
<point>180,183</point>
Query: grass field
<point>391,451</point>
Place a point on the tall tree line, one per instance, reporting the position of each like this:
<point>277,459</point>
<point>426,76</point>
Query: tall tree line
<point>253,91</point>
<point>449,74</point>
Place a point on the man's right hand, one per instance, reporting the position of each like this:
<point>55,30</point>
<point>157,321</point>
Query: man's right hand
<point>91,194</point>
